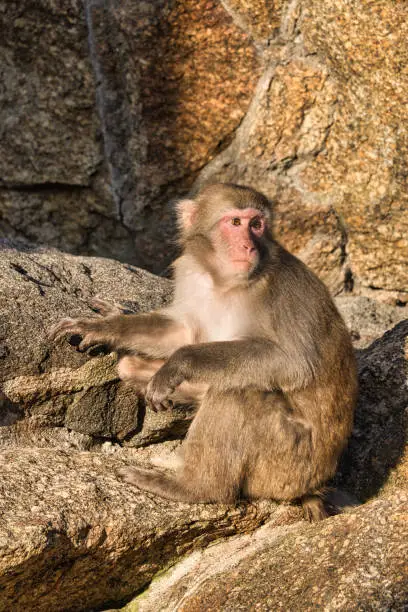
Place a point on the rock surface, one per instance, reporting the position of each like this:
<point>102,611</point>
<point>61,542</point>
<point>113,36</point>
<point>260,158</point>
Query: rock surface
<point>304,102</point>
<point>51,389</point>
<point>119,106</point>
<point>376,459</point>
<point>355,561</point>
<point>74,537</point>
<point>367,319</point>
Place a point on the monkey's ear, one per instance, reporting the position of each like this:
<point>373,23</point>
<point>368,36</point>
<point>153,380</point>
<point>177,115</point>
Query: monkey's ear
<point>186,213</point>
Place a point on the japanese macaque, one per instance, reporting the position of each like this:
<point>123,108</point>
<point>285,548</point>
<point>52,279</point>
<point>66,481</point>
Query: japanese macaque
<point>253,337</point>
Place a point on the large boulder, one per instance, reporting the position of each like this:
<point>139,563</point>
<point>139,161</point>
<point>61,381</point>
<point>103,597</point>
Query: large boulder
<point>355,561</point>
<point>74,537</point>
<point>51,393</point>
<point>376,459</point>
<point>111,110</point>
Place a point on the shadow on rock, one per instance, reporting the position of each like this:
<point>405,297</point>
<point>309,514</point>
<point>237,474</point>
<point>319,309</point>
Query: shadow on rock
<point>376,453</point>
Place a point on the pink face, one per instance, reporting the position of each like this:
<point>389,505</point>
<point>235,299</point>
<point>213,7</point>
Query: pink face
<point>238,230</point>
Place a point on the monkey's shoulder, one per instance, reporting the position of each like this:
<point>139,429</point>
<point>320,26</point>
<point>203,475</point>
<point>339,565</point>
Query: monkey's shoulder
<point>292,278</point>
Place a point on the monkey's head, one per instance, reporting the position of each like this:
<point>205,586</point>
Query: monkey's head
<point>227,227</point>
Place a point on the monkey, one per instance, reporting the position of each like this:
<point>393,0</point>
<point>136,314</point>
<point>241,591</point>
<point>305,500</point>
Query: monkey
<point>253,337</point>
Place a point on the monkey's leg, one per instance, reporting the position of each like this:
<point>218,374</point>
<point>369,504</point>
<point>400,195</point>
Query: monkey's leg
<point>283,464</point>
<point>213,457</point>
<point>138,370</point>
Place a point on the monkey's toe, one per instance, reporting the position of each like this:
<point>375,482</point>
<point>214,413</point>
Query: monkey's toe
<point>314,509</point>
<point>133,475</point>
<point>160,406</point>
<point>126,474</point>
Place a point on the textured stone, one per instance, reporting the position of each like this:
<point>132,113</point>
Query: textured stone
<point>52,385</point>
<point>48,117</point>
<point>170,81</point>
<point>71,219</point>
<point>364,45</point>
<point>172,93</point>
<point>53,179</point>
<point>75,537</point>
<point>368,319</point>
<point>356,561</point>
<point>376,459</point>
<point>260,18</point>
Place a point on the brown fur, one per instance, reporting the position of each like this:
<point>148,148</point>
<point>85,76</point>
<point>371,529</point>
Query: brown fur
<point>265,355</point>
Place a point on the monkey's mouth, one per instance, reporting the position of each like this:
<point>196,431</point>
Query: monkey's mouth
<point>244,265</point>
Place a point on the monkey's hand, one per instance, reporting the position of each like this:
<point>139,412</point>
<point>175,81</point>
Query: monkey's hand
<point>84,333</point>
<point>163,383</point>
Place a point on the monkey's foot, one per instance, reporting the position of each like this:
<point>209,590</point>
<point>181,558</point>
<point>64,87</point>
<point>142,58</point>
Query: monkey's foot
<point>160,484</point>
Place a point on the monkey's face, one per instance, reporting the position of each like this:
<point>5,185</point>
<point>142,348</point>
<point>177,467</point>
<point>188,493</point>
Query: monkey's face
<point>237,239</point>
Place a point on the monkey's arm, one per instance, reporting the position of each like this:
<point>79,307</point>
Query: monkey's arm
<point>236,364</point>
<point>156,334</point>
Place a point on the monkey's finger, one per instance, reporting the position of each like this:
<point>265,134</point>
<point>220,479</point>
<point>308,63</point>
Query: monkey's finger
<point>165,405</point>
<point>150,405</point>
<point>88,341</point>
<point>104,308</point>
<point>62,328</point>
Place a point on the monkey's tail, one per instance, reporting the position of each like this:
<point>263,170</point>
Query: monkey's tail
<point>165,485</point>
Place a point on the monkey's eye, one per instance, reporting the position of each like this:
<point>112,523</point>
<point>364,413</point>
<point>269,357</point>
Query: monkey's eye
<point>236,221</point>
<point>256,223</point>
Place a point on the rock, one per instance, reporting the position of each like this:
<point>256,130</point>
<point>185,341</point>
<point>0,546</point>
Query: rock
<point>355,561</point>
<point>72,536</point>
<point>52,385</point>
<point>364,47</point>
<point>304,103</point>
<point>47,98</point>
<point>54,181</point>
<point>157,90</point>
<point>368,319</point>
<point>376,459</point>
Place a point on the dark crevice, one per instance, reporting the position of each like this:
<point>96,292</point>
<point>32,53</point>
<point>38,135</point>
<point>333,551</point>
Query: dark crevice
<point>30,278</point>
<point>375,288</point>
<point>348,281</point>
<point>41,187</point>
<point>43,363</point>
